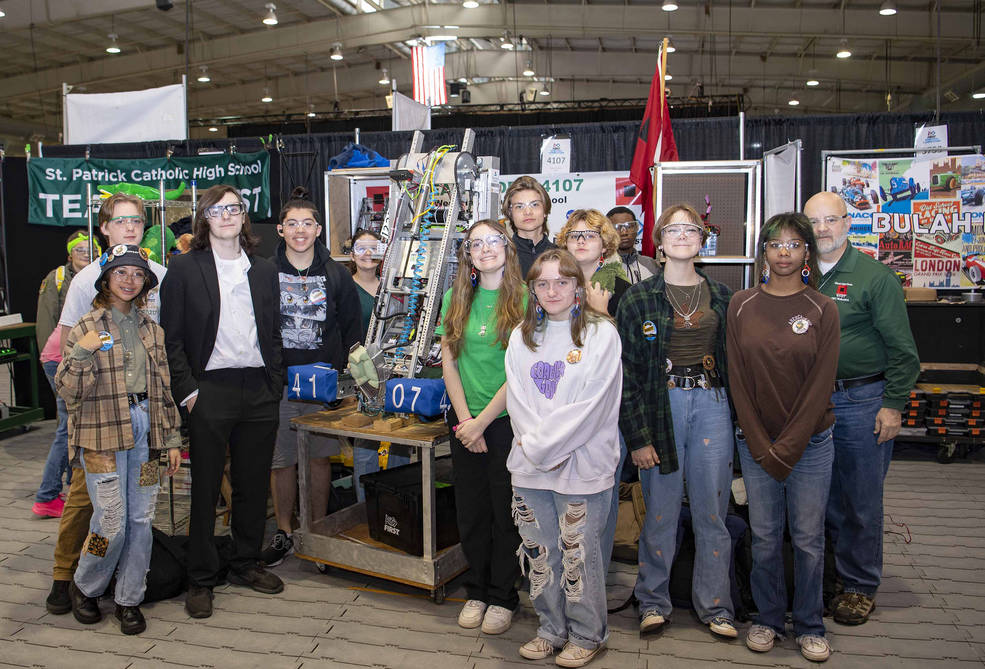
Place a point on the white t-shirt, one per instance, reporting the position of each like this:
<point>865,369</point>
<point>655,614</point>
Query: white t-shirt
<point>563,401</point>
<point>236,343</point>
<point>82,291</point>
<point>825,267</point>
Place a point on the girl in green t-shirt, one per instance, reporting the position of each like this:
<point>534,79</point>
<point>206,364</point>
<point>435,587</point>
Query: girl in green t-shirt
<point>485,303</point>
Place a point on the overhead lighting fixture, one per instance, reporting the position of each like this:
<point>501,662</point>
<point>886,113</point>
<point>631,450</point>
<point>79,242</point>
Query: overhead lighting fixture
<point>440,38</point>
<point>470,4</point>
<point>2,13</point>
<point>669,6</point>
<point>793,102</point>
<point>670,46</point>
<point>112,47</point>
<point>978,95</point>
<point>212,128</point>
<point>385,79</point>
<point>813,82</point>
<point>204,77</point>
<point>270,19</point>
<point>311,111</point>
<point>888,8</point>
<point>668,77</point>
<point>463,80</point>
<point>506,43</point>
<point>544,90</point>
<point>266,95</point>
<point>336,51</point>
<point>843,52</point>
<point>528,71</point>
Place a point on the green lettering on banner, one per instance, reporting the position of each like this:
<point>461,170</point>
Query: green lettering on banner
<point>57,186</point>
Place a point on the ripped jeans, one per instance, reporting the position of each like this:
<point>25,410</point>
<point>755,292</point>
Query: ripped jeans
<point>561,553</point>
<point>123,488</point>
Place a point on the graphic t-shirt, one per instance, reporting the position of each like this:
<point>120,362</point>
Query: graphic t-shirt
<point>302,310</point>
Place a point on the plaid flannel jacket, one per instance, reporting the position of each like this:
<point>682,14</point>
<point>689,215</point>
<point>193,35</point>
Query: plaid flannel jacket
<point>644,416</point>
<point>95,391</point>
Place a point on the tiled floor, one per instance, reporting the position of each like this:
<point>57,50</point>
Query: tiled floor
<point>931,606</point>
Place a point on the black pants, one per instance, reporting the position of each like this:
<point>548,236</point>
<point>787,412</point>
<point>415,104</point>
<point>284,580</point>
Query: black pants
<point>483,499</point>
<point>237,407</point>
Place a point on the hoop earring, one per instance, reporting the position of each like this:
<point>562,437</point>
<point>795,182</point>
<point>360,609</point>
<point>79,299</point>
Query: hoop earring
<point>576,309</point>
<point>766,272</point>
<point>805,273</point>
<point>474,278</point>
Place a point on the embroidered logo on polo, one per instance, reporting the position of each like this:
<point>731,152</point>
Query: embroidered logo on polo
<point>546,376</point>
<point>841,292</point>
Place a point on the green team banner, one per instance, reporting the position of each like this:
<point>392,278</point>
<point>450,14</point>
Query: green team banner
<point>57,186</point>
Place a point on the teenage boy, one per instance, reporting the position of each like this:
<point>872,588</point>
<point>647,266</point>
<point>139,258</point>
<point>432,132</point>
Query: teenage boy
<point>637,266</point>
<point>222,336</point>
<point>121,221</point>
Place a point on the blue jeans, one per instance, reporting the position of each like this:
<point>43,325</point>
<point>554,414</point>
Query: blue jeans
<point>366,460</point>
<point>609,531</point>
<point>561,552</point>
<point>854,519</point>
<point>57,462</point>
<point>123,488</point>
<point>801,497</point>
<point>704,435</point>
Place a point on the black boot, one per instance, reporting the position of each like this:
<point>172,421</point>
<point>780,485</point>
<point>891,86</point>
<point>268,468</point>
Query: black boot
<point>85,609</point>
<point>131,619</point>
<point>59,601</point>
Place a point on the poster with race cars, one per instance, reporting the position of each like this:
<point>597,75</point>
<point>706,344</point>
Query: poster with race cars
<point>923,219</point>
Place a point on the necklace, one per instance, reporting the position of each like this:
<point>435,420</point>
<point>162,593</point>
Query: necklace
<point>303,277</point>
<point>684,319</point>
<point>482,330</point>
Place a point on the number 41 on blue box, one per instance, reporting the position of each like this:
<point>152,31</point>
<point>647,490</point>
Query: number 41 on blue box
<point>424,397</point>
<point>317,382</point>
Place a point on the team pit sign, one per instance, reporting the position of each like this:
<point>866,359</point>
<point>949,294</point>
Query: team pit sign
<point>57,186</point>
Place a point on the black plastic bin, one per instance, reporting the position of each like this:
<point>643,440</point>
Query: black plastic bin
<point>393,506</point>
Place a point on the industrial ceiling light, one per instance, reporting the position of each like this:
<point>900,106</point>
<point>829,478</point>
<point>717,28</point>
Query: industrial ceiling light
<point>2,13</point>
<point>311,111</point>
<point>670,46</point>
<point>336,51</point>
<point>978,95</point>
<point>668,77</point>
<point>212,128</point>
<point>506,42</point>
<point>112,47</point>
<point>793,102</point>
<point>813,82</point>
<point>270,19</point>
<point>888,8</point>
<point>544,90</point>
<point>669,6</point>
<point>204,77</point>
<point>385,79</point>
<point>470,4</point>
<point>528,71</point>
<point>843,52</point>
<point>266,95</point>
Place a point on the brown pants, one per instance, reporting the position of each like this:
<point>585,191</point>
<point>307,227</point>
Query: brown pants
<point>74,527</point>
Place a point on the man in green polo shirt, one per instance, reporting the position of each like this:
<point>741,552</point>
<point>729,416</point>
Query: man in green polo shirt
<point>877,367</point>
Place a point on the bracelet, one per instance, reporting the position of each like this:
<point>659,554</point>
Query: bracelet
<point>455,429</point>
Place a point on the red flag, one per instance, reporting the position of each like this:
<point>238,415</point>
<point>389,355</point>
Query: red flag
<point>655,143</point>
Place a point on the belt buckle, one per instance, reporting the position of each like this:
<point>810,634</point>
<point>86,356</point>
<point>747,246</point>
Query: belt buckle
<point>689,382</point>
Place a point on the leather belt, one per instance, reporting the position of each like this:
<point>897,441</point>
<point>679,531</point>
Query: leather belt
<point>136,398</point>
<point>845,384</point>
<point>687,378</point>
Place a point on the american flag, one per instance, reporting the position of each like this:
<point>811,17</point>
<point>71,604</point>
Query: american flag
<point>429,74</point>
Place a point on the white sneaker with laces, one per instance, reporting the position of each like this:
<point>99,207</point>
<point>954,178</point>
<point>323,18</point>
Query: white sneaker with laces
<point>537,649</point>
<point>497,620</point>
<point>814,648</point>
<point>576,656</point>
<point>471,614</point>
<point>651,622</point>
<point>760,638</point>
<point>723,627</point>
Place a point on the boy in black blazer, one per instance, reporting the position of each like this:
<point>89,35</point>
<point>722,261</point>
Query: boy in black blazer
<point>223,340</point>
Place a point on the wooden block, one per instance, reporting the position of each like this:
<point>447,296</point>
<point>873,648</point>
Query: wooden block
<point>355,419</point>
<point>392,423</point>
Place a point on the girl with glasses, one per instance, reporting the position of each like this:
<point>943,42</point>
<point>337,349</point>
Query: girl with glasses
<point>590,238</point>
<point>563,399</point>
<point>116,384</point>
<point>486,301</point>
<point>526,205</point>
<point>783,339</point>
<point>677,423</point>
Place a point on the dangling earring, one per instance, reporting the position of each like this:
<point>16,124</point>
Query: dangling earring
<point>601,261</point>
<point>474,278</point>
<point>766,272</point>
<point>539,310</point>
<point>576,308</point>
<point>805,273</point>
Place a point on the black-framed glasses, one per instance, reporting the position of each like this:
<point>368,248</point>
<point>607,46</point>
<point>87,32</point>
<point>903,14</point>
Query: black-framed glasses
<point>215,211</point>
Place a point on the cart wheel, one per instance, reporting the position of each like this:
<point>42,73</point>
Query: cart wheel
<point>438,595</point>
<point>946,452</point>
<point>322,568</point>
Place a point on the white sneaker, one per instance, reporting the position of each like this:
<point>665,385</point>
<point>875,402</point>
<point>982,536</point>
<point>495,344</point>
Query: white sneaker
<point>814,648</point>
<point>760,638</point>
<point>471,615</point>
<point>537,649</point>
<point>723,627</point>
<point>576,656</point>
<point>497,620</point>
<point>651,622</point>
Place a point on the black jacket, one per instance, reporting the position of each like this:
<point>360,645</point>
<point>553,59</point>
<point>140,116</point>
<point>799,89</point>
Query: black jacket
<point>190,317</point>
<point>311,330</point>
<point>527,251</point>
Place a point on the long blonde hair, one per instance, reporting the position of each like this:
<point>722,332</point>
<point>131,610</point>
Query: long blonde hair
<point>509,303</point>
<point>568,268</point>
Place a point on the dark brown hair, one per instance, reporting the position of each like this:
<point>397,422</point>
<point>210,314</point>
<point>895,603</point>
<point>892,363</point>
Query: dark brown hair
<point>200,227</point>
<point>300,199</point>
<point>526,183</point>
<point>351,244</point>
<point>104,296</point>
<point>796,223</point>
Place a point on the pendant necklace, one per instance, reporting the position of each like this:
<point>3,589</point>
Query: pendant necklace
<point>684,319</point>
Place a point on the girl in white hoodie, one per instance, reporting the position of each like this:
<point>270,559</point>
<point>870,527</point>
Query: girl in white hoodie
<point>563,385</point>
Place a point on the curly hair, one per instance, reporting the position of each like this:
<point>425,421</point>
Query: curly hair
<point>509,303</point>
<point>597,221</point>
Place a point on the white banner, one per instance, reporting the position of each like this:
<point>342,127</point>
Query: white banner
<point>780,179</point>
<point>153,114</point>
<point>409,115</point>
